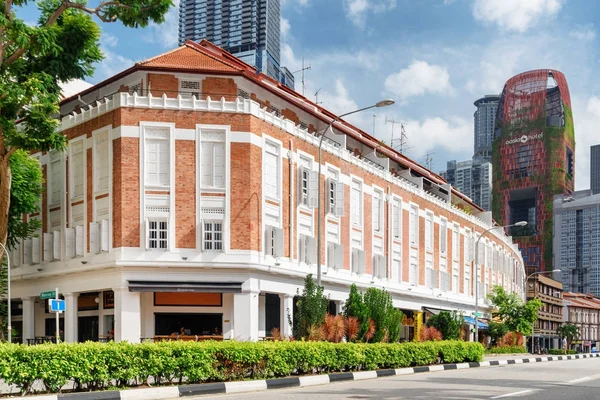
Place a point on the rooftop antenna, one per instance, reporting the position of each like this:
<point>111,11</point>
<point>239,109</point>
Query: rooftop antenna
<point>317,102</point>
<point>428,160</point>
<point>302,70</point>
<point>401,141</point>
<point>374,116</point>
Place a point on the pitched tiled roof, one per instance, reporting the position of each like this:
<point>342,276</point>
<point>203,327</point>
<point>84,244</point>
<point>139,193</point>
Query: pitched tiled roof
<point>188,57</point>
<point>582,300</point>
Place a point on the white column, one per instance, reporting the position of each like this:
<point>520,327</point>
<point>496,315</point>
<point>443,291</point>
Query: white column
<point>28,319</point>
<point>245,316</point>
<point>287,308</point>
<point>71,308</point>
<point>127,315</point>
<point>339,306</point>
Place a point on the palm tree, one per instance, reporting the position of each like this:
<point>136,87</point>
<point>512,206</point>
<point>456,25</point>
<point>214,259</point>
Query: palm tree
<point>568,331</point>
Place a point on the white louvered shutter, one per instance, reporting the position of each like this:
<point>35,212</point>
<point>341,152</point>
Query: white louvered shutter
<point>70,242</point>
<point>27,247</point>
<point>56,245</point>
<point>278,245</point>
<point>35,250</point>
<point>269,240</point>
<point>164,165</point>
<point>339,256</point>
<point>104,234</point>
<point>16,257</point>
<point>339,199</point>
<point>311,249</point>
<point>207,165</point>
<point>313,189</point>
<point>79,242</point>
<point>361,262</point>
<point>219,165</point>
<point>48,245</point>
<point>94,239</point>
<point>330,255</point>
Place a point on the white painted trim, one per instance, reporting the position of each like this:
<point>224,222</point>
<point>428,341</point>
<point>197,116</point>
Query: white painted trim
<point>246,137</point>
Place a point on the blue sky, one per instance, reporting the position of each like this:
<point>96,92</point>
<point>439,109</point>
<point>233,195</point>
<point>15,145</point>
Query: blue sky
<point>434,57</point>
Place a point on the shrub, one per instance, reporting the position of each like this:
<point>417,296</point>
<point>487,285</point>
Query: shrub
<point>311,311</point>
<point>560,352</point>
<point>449,324</point>
<point>511,339</point>
<point>334,328</point>
<point>352,328</point>
<point>93,366</point>
<point>429,333</point>
<point>507,350</point>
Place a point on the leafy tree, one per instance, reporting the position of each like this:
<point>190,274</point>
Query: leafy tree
<point>356,307</point>
<point>513,311</point>
<point>497,330</point>
<point>61,46</point>
<point>448,323</point>
<point>311,309</point>
<point>569,331</point>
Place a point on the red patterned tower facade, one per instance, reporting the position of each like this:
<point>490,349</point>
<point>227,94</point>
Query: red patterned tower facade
<point>533,159</point>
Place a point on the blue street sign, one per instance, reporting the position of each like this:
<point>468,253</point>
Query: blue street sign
<point>56,305</point>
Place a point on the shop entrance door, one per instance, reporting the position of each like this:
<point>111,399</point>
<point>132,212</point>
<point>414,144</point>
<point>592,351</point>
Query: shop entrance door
<point>88,329</point>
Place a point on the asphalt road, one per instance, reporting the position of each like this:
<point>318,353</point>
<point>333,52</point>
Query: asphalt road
<point>554,380</point>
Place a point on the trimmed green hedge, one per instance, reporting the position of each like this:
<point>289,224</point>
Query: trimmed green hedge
<point>507,350</point>
<point>93,366</point>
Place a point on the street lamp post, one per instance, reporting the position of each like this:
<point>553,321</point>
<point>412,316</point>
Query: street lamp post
<point>8,325</point>
<point>533,324</point>
<point>520,223</point>
<point>382,103</point>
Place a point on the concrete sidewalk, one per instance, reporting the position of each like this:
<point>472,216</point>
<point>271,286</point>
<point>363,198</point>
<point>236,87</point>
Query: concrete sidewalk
<point>172,392</point>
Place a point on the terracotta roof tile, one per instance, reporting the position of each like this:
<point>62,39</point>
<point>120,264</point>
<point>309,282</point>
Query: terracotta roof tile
<point>188,58</point>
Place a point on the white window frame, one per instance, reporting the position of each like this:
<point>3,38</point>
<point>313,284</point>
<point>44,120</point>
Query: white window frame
<point>272,190</point>
<point>397,219</point>
<point>429,231</point>
<point>149,227</point>
<point>414,225</point>
<point>335,193</point>
<point>97,135</point>
<point>213,242</point>
<point>77,148</point>
<point>214,168</point>
<point>356,202</point>
<point>455,242</point>
<point>443,236</point>
<point>56,166</point>
<point>377,210</point>
<point>273,241</point>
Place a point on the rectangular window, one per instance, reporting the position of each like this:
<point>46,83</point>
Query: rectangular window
<point>304,182</point>
<point>213,165</point>
<point>157,162</point>
<point>157,234</point>
<point>429,231</point>
<point>213,236</point>
<point>56,179</point>
<point>377,210</point>
<point>414,225</point>
<point>356,203</point>
<point>77,169</point>
<point>335,193</point>
<point>443,236</point>
<point>396,210</point>
<point>455,242</point>
<point>271,170</point>
<point>100,160</point>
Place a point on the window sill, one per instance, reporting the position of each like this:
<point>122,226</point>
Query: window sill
<point>157,187</point>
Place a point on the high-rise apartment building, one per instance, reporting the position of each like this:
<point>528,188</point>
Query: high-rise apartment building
<point>484,120</point>
<point>249,29</point>
<point>472,178</point>
<point>595,169</point>
<point>577,241</point>
<point>533,157</point>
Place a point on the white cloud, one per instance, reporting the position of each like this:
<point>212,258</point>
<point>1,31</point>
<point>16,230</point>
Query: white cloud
<point>285,27</point>
<point>167,33</point>
<point>298,3</point>
<point>583,33</point>
<point>586,115</point>
<point>358,10</point>
<point>112,63</point>
<point>515,15</point>
<point>419,78</point>
<point>108,40</point>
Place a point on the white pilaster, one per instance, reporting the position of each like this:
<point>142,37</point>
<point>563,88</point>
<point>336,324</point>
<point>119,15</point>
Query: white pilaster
<point>339,306</point>
<point>287,308</point>
<point>127,315</point>
<point>71,308</point>
<point>28,319</point>
<point>245,315</point>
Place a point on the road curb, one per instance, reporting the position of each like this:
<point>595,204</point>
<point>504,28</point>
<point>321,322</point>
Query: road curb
<point>170,392</point>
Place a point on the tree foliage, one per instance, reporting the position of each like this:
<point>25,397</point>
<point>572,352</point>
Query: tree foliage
<point>447,323</point>
<point>497,330</point>
<point>374,307</point>
<point>311,309</point>
<point>519,316</point>
<point>568,331</point>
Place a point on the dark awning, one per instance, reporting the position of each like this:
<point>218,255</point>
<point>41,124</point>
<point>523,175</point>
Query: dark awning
<point>198,287</point>
<point>434,311</point>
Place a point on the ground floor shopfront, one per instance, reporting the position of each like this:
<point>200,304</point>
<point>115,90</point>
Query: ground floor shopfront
<point>158,304</point>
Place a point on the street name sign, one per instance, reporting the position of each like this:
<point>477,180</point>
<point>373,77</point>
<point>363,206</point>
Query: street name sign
<point>48,295</point>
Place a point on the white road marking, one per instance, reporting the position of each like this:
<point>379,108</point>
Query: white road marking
<point>512,394</point>
<point>585,378</point>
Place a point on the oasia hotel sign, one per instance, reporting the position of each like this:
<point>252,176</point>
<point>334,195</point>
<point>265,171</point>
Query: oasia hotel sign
<point>524,138</point>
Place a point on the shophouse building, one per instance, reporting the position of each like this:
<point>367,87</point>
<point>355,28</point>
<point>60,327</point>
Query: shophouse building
<point>583,310</point>
<point>186,199</point>
<point>550,316</point>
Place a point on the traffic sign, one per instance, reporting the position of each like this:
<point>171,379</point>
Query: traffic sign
<point>57,306</point>
<point>48,295</point>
